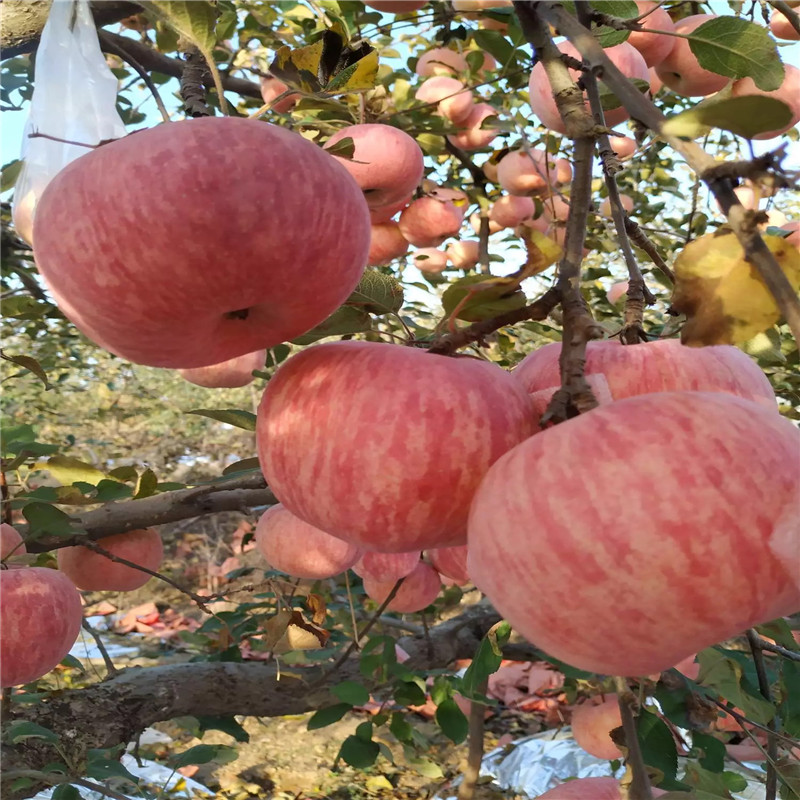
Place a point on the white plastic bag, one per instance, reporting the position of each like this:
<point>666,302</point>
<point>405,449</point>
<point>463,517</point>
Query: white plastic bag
<point>74,98</point>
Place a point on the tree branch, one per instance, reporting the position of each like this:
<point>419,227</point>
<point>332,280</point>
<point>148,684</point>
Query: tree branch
<point>753,640</point>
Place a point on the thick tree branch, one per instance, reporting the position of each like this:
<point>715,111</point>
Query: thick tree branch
<point>237,494</point>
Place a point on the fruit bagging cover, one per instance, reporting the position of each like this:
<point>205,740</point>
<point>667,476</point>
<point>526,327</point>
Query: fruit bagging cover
<point>74,99</point>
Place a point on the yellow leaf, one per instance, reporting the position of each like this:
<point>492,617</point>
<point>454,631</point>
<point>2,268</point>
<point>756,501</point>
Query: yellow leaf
<point>542,251</point>
<point>67,470</point>
<point>357,77</point>
<point>722,295</point>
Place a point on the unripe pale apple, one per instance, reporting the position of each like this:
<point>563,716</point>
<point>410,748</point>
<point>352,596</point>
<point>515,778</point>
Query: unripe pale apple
<point>396,6</point>
<point>473,136</point>
<point>464,254</point>
<point>475,224</point>
<point>654,47</point>
<point>386,164</point>
<point>625,201</point>
<point>441,61</point>
<point>40,618</point>
<point>509,210</point>
<point>624,56</point>
<point>418,590</point>
<point>623,146</point>
<point>427,222</point>
<point>656,84</point>
<point>92,572</point>
<point>590,789</point>
<point>10,541</point>
<point>227,375</point>
<point>592,722</point>
<point>385,213</point>
<point>386,567</point>
<point>540,224</point>
<point>789,93</point>
<point>429,259</point>
<point>452,99</point>
<point>664,365</point>
<point>718,479</point>
<point>781,27</point>
<point>617,292</point>
<point>22,215</point>
<point>386,244</point>
<point>556,208</point>
<point>680,70</point>
<point>526,173</point>
<point>273,87</point>
<point>292,546</point>
<point>211,284</point>
<point>450,562</point>
<point>346,430</point>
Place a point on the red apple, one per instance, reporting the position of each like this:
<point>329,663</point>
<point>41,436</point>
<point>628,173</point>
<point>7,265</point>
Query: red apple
<point>386,567</point>
<point>656,84</point>
<point>292,546</point>
<point>592,723</point>
<point>93,572</point>
<point>473,136</point>
<point>781,27</point>
<point>429,259</point>
<point>273,87</point>
<point>680,70</point>
<point>418,590</point>
<point>789,93</point>
<point>40,616</point>
<point>11,543</point>
<point>589,789</point>
<point>346,430</point>
<point>229,374</point>
<point>385,213</point>
<point>617,292</point>
<point>427,222</point>
<point>509,210</point>
<point>623,146</point>
<point>450,562</point>
<point>387,243</point>
<point>173,278</point>
<point>688,667</point>
<point>464,254</point>
<point>654,47</point>
<point>531,173</point>
<point>441,61</point>
<point>386,163</point>
<point>475,224</point>
<point>452,99</point>
<point>396,6</point>
<point>625,200</point>
<point>556,208</point>
<point>664,365</point>
<point>675,504</point>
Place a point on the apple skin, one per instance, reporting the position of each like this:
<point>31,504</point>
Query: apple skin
<point>589,789</point>
<point>386,567</point>
<point>429,259</point>
<point>654,47</point>
<point>418,590</point>
<point>660,366</point>
<point>509,210</point>
<point>387,212</point>
<point>703,534</point>
<point>93,572</point>
<point>789,93</point>
<point>292,546</point>
<point>346,430</point>
<point>624,56</point>
<point>591,723</point>
<point>40,618</point>
<point>229,374</point>
<point>623,146</point>
<point>386,244</point>
<point>427,222</point>
<point>271,88</point>
<point>473,136</point>
<point>387,163</point>
<point>617,292</point>
<point>475,224</point>
<point>464,254</point>
<point>452,99</point>
<point>532,173</point>
<point>680,70</point>
<point>441,61</point>
<point>625,201</point>
<point>450,562</point>
<point>10,541</point>
<point>781,27</point>
<point>211,285</point>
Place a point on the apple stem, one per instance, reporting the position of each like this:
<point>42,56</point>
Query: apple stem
<point>753,640</point>
<point>640,781</point>
<point>111,670</point>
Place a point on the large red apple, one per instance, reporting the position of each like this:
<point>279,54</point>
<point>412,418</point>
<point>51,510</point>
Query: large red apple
<point>387,243</point>
<point>789,93</point>
<point>615,541</point>
<point>10,541</point>
<point>40,618</point>
<point>93,572</point>
<point>654,47</point>
<point>680,70</point>
<point>225,236</point>
<point>386,567</point>
<point>386,163</point>
<point>427,222</point>
<point>418,590</point>
<point>592,723</point>
<point>661,366</point>
<point>292,546</point>
<point>383,445</point>
<point>229,374</point>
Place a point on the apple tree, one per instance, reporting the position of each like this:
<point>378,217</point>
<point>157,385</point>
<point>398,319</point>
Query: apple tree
<point>481,316</point>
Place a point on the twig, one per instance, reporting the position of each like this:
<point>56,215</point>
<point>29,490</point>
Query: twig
<point>192,89</point>
<point>477,713</point>
<point>763,644</point>
<point>477,173</point>
<point>788,12</point>
<point>763,686</point>
<point>448,343</point>
<point>641,240</point>
<point>111,670</point>
<point>640,781</point>
<point>114,47</point>
<point>351,604</point>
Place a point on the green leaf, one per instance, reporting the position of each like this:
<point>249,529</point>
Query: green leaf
<point>658,746</point>
<point>20,730</point>
<point>494,297</point>
<point>203,754</point>
<point>344,148</point>
<point>408,694</point>
<point>72,663</point>
<point>102,764</point>
<point>708,785</point>
<point>351,692</point>
<point>124,474</point>
<point>494,43</point>
<point>230,416</point>
<point>788,769</point>
<point>327,716</point>
<point>733,47</point>
<point>67,470</point>
<point>358,752</point>
<point>790,706</point>
<point>23,306</point>
<point>342,322</point>
<point>486,660</point>
<point>65,791</point>
<point>8,177</point>
<point>622,9</point>
<point>424,766</point>
<point>30,364</point>
<point>227,725</point>
<point>44,518</point>
<point>450,718</point>
<point>712,749</point>
<point>400,727</point>
<point>107,491</point>
<point>146,485</point>
<point>245,465</point>
<point>377,293</point>
<point>194,20</point>
<point>745,116</point>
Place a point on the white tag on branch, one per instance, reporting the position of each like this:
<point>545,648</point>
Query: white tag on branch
<point>74,99</point>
